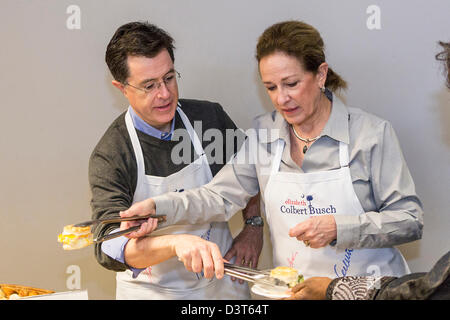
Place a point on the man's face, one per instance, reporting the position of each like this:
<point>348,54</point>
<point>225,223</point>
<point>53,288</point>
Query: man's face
<point>152,89</point>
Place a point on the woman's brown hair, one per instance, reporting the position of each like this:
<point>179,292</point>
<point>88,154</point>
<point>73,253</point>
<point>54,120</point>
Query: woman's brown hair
<point>301,41</point>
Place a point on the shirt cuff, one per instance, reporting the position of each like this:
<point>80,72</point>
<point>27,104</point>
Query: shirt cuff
<point>115,248</point>
<point>348,231</point>
<point>353,288</point>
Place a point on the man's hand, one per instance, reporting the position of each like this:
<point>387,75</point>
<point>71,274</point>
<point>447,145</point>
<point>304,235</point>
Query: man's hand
<point>248,244</point>
<point>197,254</point>
<point>246,247</point>
<point>316,231</point>
<point>314,288</point>
<point>140,209</point>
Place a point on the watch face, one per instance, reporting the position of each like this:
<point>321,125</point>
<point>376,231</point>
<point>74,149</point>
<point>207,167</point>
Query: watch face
<point>255,221</point>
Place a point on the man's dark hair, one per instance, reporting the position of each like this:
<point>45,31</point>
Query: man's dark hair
<point>135,39</point>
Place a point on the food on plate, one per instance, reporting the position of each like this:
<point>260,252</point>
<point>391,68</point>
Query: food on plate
<point>75,237</point>
<point>288,275</point>
<point>13,292</point>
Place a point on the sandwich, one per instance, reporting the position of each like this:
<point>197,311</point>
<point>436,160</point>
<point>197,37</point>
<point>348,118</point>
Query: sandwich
<point>288,275</point>
<point>75,237</point>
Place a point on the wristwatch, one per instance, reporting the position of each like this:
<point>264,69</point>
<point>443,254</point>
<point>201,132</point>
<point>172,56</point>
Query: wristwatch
<point>255,221</point>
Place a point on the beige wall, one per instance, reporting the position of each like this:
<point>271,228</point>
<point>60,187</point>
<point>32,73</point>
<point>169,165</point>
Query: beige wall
<point>57,100</point>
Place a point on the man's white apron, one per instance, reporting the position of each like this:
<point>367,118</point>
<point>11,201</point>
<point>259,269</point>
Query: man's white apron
<point>170,279</point>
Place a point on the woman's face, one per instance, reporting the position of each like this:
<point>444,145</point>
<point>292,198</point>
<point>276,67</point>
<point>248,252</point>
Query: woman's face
<point>294,92</point>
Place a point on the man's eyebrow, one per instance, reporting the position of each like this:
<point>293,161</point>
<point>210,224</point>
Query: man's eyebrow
<point>150,80</point>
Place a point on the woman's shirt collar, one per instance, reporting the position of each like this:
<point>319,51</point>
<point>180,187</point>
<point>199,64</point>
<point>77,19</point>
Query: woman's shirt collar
<point>335,128</point>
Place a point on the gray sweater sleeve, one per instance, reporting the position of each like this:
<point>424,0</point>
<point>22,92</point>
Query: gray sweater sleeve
<point>110,195</point>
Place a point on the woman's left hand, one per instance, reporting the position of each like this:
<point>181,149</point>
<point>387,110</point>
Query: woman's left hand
<point>316,232</point>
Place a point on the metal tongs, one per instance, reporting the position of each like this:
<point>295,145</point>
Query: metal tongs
<point>255,276</point>
<point>161,218</point>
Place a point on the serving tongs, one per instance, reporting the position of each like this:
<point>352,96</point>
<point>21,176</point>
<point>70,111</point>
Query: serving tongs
<point>254,276</point>
<point>160,217</point>
<point>115,234</point>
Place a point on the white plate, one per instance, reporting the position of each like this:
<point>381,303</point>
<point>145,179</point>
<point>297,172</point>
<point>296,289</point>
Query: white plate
<point>271,293</point>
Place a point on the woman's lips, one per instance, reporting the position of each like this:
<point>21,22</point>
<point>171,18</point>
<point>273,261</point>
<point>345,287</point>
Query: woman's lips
<point>289,110</point>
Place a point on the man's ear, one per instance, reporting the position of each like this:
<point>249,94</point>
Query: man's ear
<point>119,86</point>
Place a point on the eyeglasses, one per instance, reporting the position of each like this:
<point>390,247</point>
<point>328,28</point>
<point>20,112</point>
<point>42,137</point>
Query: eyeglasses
<point>152,87</point>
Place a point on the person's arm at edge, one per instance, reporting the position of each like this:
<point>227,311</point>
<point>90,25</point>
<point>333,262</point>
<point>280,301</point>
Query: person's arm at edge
<point>356,287</point>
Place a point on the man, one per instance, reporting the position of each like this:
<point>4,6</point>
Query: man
<point>134,160</point>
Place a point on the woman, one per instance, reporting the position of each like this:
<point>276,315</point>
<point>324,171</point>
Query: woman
<point>434,285</point>
<point>336,189</point>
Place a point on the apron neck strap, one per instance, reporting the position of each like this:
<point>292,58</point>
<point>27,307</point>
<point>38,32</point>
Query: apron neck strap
<point>195,141</point>
<point>343,155</point>
<point>137,146</point>
<point>192,134</point>
<point>135,142</point>
<point>277,159</point>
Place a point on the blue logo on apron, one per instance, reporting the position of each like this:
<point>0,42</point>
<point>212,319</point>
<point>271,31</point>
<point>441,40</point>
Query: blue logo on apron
<point>345,262</point>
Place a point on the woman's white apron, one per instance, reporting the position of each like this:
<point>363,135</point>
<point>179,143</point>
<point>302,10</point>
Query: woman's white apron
<point>291,198</point>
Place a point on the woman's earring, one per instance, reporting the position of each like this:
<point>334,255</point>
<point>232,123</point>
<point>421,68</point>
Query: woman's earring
<point>322,89</point>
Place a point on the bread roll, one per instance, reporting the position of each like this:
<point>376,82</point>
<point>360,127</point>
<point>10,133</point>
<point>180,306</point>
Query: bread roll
<point>75,237</point>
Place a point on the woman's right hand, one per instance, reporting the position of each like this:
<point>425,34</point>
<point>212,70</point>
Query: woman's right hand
<point>141,208</point>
